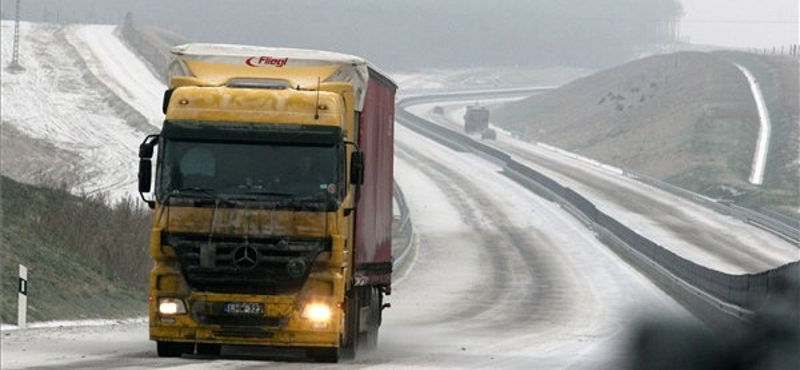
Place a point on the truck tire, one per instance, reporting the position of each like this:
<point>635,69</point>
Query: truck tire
<point>209,349</point>
<point>368,340</point>
<point>350,338</point>
<point>173,349</point>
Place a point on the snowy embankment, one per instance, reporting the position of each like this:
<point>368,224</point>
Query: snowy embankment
<point>764,132</point>
<point>95,117</point>
<point>120,69</point>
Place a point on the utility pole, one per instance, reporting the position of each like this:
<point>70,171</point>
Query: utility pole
<point>14,66</point>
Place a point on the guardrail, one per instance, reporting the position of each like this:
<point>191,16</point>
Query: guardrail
<point>717,297</point>
<point>769,223</point>
<point>403,234</point>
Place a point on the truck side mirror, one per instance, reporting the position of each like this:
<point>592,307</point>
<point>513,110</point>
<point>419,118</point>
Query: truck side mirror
<point>357,168</point>
<point>146,166</point>
<point>165,102</point>
<point>145,174</point>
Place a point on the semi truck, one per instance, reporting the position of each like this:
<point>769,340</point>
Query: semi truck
<point>476,119</point>
<point>271,184</point>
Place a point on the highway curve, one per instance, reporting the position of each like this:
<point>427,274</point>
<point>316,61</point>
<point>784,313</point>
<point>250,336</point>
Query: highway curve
<point>498,278</point>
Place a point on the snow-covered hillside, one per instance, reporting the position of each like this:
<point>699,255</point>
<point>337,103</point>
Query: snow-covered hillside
<point>62,123</point>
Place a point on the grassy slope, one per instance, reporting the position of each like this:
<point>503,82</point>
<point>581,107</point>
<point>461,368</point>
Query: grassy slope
<point>687,118</point>
<point>42,228</point>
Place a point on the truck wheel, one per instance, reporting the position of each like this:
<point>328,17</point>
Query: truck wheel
<point>209,349</point>
<point>350,339</point>
<point>173,349</point>
<point>327,355</point>
<point>369,339</point>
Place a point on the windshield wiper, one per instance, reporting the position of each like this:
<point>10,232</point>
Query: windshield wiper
<point>265,195</point>
<point>270,193</point>
<point>283,197</point>
<point>210,194</point>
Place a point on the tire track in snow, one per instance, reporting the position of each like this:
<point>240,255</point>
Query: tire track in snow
<point>520,264</point>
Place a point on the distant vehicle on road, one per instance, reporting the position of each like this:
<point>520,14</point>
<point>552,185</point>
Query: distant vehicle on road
<point>476,119</point>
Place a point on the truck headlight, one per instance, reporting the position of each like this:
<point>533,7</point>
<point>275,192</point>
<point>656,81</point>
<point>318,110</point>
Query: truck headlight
<point>317,312</point>
<point>171,306</point>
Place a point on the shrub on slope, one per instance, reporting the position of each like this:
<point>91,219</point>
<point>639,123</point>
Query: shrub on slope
<point>85,257</point>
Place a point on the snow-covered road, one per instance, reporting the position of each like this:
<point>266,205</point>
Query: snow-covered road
<point>697,233</point>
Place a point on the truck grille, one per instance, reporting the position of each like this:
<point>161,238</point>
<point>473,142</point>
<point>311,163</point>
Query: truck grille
<point>247,266</point>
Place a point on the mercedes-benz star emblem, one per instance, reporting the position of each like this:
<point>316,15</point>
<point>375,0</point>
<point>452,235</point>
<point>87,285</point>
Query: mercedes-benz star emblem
<point>245,257</point>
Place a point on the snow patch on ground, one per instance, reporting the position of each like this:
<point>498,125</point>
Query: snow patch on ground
<point>75,323</point>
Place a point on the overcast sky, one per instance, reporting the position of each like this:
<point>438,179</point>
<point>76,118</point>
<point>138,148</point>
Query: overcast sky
<point>741,23</point>
<point>452,33</point>
<point>736,23</point>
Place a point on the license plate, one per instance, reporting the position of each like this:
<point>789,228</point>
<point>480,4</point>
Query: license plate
<point>243,308</point>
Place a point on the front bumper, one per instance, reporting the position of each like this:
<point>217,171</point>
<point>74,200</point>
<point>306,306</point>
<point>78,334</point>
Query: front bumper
<point>281,323</point>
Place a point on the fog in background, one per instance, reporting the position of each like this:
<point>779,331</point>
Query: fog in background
<point>741,23</point>
<point>412,34</point>
<point>402,34</point>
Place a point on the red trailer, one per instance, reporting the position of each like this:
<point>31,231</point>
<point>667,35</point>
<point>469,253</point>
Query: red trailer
<point>373,250</point>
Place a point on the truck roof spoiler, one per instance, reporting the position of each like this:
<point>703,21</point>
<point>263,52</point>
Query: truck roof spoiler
<point>215,64</point>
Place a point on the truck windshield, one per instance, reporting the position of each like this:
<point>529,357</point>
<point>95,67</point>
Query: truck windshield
<point>251,171</point>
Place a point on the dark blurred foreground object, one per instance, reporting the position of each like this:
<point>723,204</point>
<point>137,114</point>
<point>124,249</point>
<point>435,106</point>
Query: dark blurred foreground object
<point>771,341</point>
